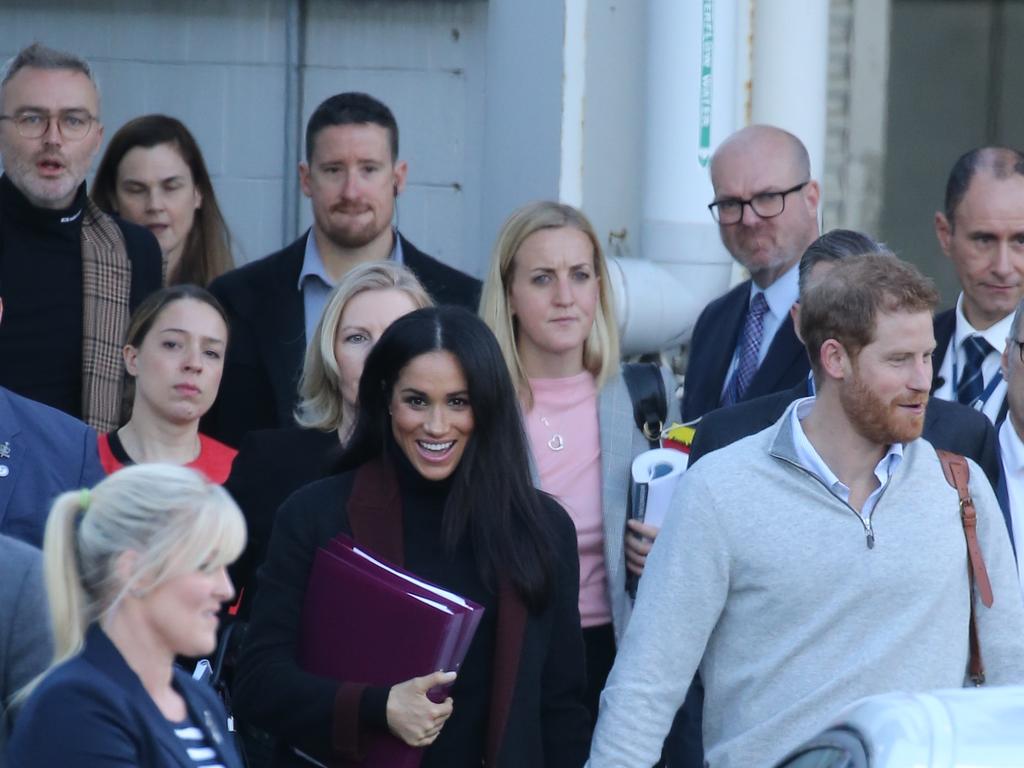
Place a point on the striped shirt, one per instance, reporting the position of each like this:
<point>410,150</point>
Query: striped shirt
<point>196,745</point>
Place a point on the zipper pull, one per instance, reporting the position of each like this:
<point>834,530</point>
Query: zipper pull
<point>871,539</point>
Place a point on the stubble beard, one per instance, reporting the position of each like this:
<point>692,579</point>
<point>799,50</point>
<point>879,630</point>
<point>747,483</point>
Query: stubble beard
<point>21,171</point>
<point>874,419</point>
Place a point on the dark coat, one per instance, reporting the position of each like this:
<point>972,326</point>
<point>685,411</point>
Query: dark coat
<point>944,326</point>
<point>536,717</point>
<point>26,642</point>
<point>271,465</point>
<point>47,453</point>
<point>259,388</point>
<point>93,711</point>
<point>711,350</point>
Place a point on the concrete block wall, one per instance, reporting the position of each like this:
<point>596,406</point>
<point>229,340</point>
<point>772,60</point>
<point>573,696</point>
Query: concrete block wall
<point>220,67</point>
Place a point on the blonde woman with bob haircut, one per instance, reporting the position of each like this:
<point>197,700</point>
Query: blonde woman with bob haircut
<point>136,574</point>
<point>272,463</point>
<point>372,294</point>
<point>548,299</point>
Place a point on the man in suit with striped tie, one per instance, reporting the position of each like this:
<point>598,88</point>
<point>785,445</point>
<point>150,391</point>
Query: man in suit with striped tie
<point>981,230</point>
<point>766,207</point>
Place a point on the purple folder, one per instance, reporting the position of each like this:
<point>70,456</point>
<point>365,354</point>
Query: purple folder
<point>367,621</point>
<point>470,612</point>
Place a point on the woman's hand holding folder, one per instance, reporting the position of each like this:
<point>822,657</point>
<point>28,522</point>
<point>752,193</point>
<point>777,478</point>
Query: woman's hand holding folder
<point>412,716</point>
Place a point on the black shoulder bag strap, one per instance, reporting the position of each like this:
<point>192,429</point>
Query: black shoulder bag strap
<point>650,403</point>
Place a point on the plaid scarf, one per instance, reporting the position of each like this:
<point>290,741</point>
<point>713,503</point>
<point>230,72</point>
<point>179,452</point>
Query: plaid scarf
<point>106,287</point>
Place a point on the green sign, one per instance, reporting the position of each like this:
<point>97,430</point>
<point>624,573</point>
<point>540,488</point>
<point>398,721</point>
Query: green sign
<point>707,41</point>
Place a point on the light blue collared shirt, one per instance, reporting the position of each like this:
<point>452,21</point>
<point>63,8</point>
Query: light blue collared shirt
<point>780,297</point>
<point>811,460</point>
<point>316,285</point>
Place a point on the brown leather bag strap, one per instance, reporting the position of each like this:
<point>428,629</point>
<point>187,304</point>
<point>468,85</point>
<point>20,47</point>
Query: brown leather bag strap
<point>958,475</point>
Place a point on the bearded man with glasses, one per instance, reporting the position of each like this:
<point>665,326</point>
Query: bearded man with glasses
<point>766,207</point>
<point>71,274</point>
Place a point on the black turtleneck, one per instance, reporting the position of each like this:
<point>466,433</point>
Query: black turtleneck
<point>41,287</point>
<point>461,741</point>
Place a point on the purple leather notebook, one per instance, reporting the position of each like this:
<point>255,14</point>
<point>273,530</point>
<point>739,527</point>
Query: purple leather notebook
<point>364,622</point>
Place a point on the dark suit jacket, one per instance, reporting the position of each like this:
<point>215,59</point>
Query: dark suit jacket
<point>259,388</point>
<point>49,453</point>
<point>944,326</point>
<point>93,710</point>
<point>536,715</point>
<point>271,465</point>
<point>712,346</point>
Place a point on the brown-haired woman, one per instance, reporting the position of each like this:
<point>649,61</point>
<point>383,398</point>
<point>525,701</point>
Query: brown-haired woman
<point>153,174</point>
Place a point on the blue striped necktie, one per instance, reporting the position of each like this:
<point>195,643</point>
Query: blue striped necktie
<point>971,383</point>
<point>750,348</point>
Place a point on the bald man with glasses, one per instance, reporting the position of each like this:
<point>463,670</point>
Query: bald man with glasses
<point>71,274</point>
<point>766,207</point>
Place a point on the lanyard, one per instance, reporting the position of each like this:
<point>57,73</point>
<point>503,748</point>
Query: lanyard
<point>981,400</point>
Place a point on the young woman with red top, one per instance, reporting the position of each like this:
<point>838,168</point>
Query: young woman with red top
<point>175,355</point>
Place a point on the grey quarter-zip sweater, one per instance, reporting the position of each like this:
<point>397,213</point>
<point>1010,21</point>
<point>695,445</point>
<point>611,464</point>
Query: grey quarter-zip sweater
<point>764,580</point>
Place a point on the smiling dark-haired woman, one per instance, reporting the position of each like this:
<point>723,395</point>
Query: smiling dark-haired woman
<point>437,479</point>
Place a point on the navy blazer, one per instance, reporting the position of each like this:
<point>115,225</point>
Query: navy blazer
<point>93,711</point>
<point>43,453</point>
<point>259,388</point>
<point>711,350</point>
<point>944,326</point>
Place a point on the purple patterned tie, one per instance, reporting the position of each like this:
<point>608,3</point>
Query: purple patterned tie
<point>750,346</point>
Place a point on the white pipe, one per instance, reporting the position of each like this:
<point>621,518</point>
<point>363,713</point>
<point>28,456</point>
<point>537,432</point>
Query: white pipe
<point>691,107</point>
<point>574,86</point>
<point>790,71</point>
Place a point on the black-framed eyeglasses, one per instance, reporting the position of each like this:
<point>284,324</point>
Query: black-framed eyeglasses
<point>767,205</point>
<point>73,124</point>
<point>1020,347</point>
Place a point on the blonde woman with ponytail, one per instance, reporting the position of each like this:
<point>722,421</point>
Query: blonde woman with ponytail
<point>135,574</point>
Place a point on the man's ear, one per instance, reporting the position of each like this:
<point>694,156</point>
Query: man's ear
<point>400,174</point>
<point>812,194</point>
<point>1004,359</point>
<point>943,231</point>
<point>835,362</point>
<point>304,179</point>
